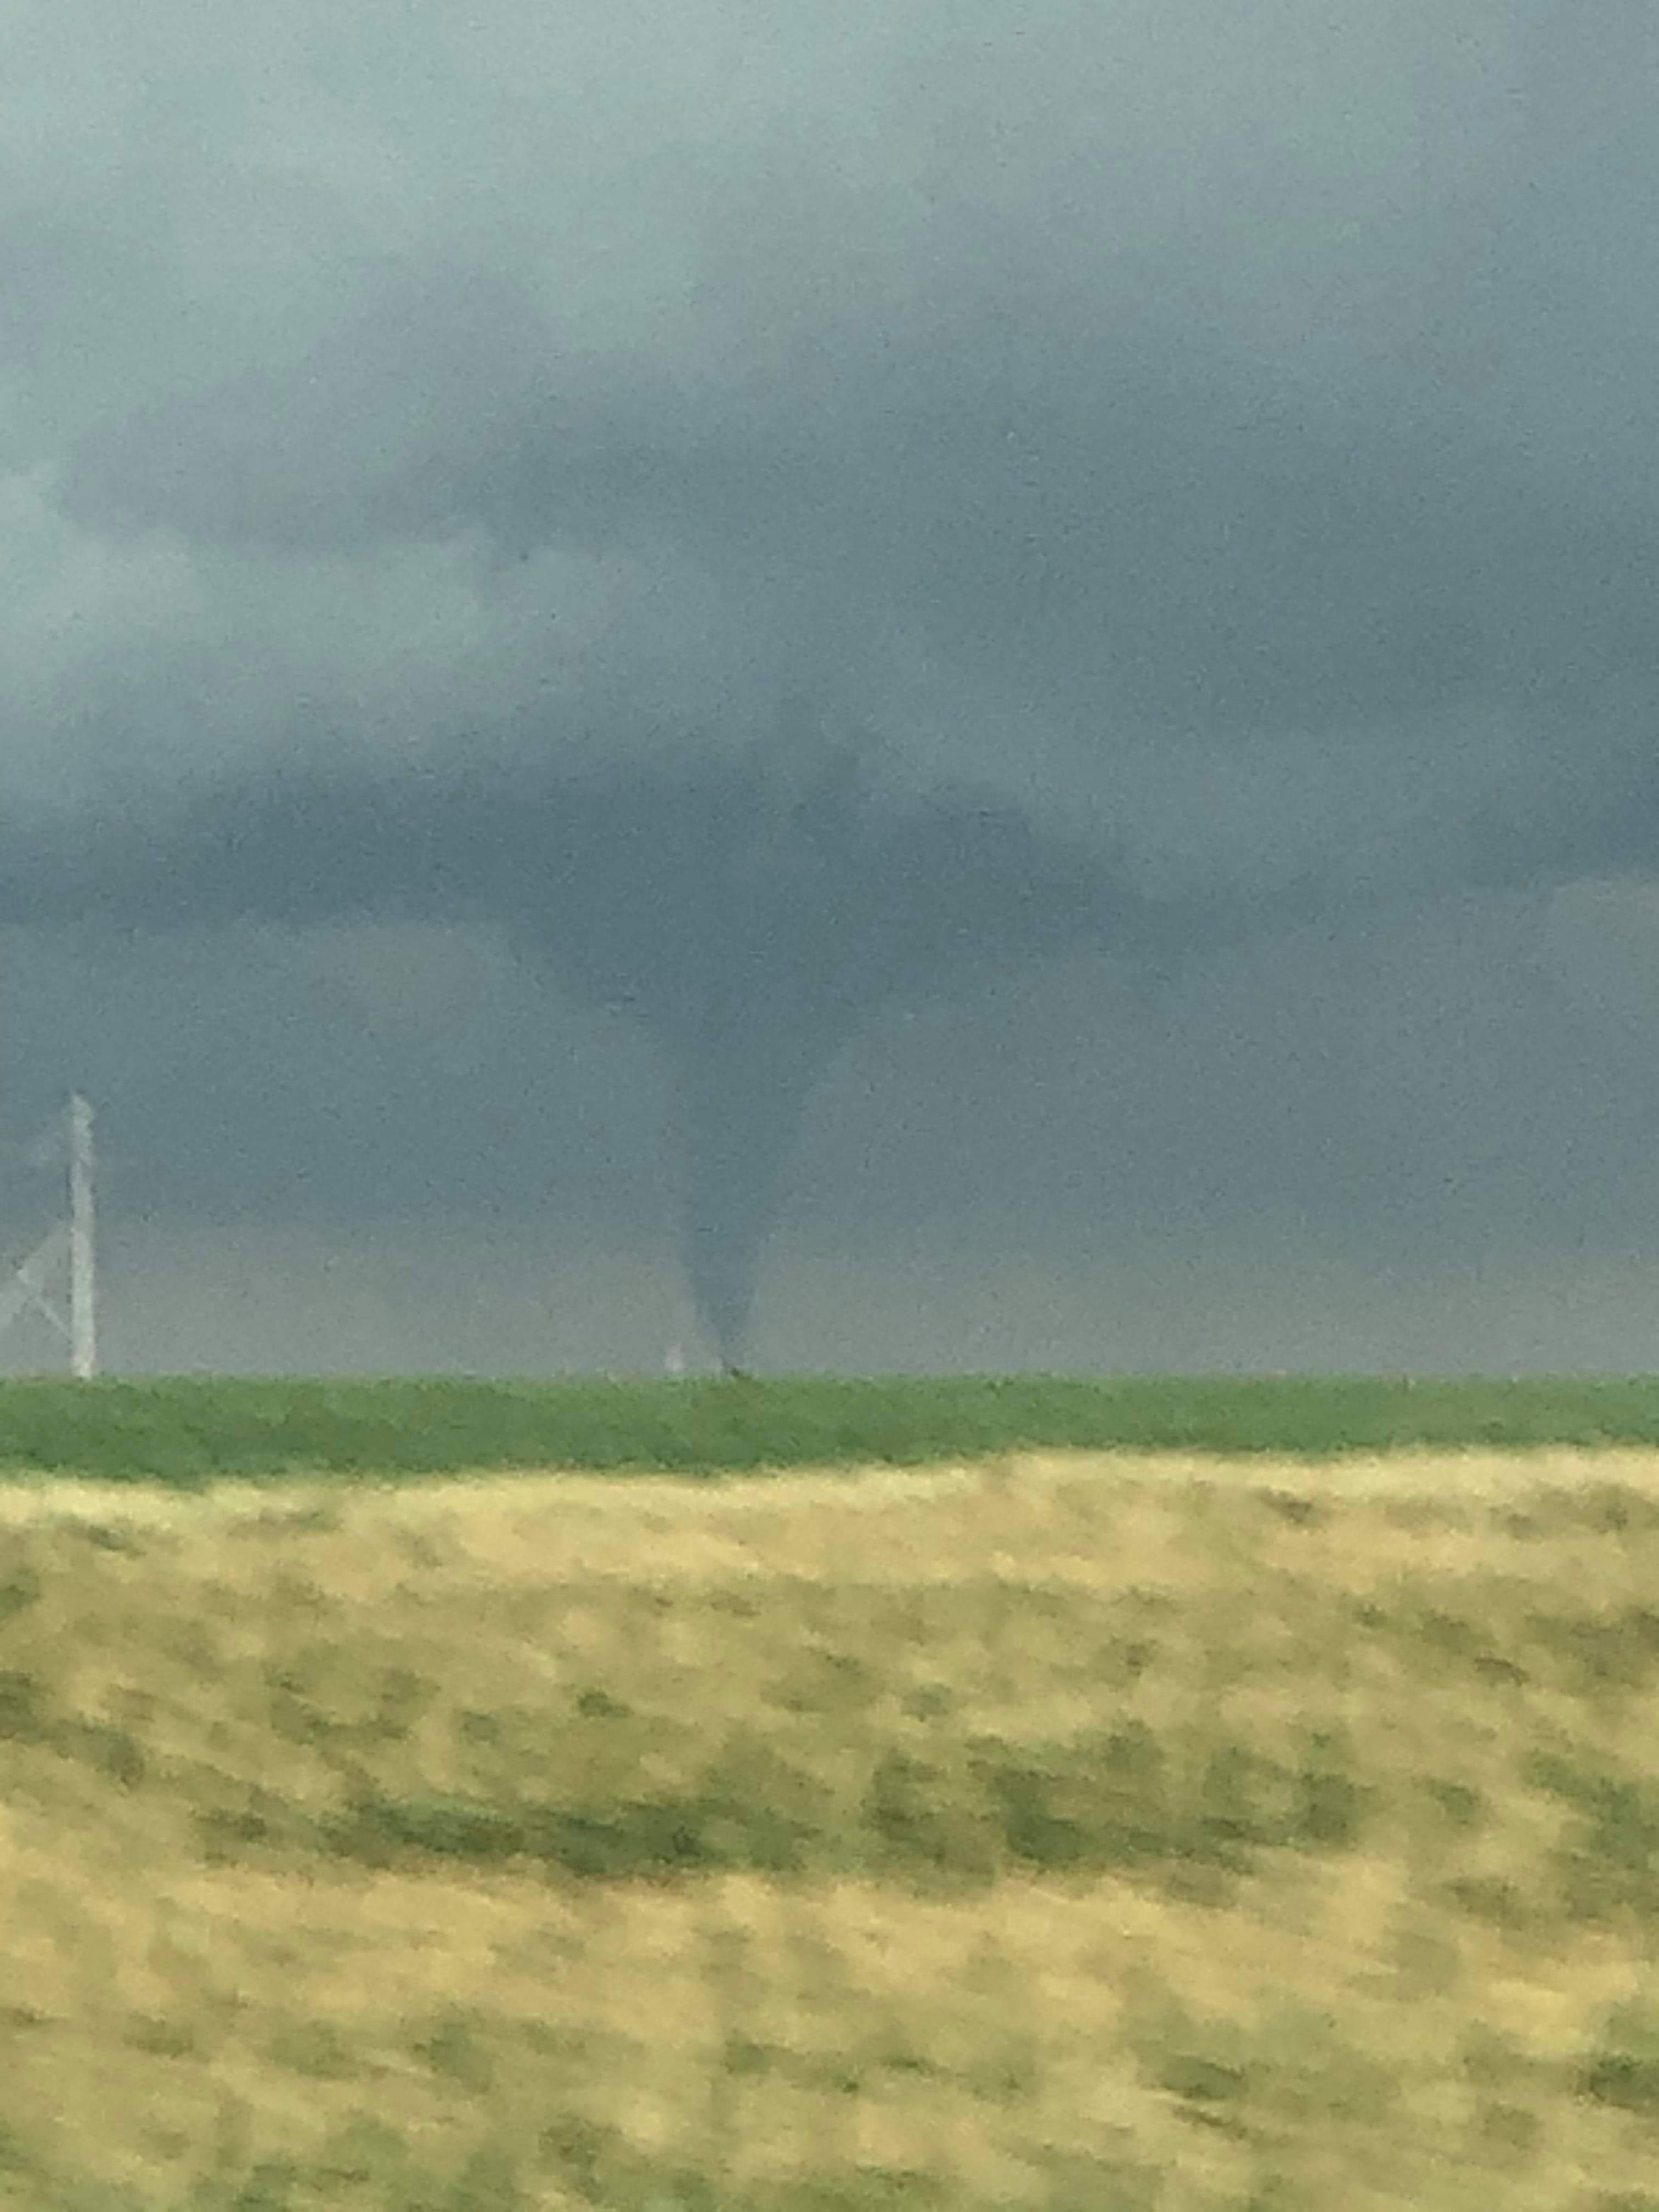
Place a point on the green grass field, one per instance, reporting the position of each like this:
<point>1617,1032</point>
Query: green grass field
<point>183,1433</point>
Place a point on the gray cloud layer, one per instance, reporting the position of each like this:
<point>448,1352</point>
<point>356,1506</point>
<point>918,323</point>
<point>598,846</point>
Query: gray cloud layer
<point>476,472</point>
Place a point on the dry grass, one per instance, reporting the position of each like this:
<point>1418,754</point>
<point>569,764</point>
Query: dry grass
<point>1071,1832</point>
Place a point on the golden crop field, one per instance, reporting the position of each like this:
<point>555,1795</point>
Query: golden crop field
<point>1068,1831</point>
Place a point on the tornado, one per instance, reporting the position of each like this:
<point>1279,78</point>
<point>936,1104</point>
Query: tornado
<point>752,911</point>
<point>788,910</point>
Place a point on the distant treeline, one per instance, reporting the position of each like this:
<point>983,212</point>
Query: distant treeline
<point>187,1432</point>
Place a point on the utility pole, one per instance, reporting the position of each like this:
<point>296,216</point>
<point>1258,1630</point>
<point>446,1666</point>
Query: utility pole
<point>84,1309</point>
<point>27,1286</point>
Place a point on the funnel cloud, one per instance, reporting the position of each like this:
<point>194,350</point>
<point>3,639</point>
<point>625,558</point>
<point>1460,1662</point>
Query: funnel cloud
<point>750,921</point>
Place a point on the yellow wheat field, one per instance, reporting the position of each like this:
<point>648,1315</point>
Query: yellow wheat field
<point>204,2004</point>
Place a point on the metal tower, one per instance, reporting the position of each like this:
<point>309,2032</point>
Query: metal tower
<point>67,1255</point>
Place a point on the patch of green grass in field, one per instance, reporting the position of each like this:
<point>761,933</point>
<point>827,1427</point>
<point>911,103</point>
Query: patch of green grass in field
<point>186,1431</point>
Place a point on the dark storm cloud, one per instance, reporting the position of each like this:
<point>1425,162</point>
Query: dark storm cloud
<point>1111,507</point>
<point>450,465</point>
<point>752,914</point>
<point>1128,534</point>
<point>1093,397</point>
<point>752,922</point>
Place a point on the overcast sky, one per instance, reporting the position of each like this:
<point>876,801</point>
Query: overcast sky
<point>945,687</point>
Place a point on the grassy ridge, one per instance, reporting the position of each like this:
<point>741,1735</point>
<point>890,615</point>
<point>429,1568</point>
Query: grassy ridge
<point>186,1432</point>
